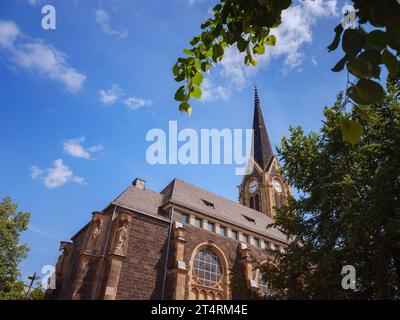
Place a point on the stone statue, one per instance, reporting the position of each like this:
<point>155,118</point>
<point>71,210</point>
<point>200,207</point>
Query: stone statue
<point>94,235</point>
<point>121,236</point>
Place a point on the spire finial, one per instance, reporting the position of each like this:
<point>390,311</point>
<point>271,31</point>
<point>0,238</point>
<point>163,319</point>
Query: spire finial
<point>256,98</point>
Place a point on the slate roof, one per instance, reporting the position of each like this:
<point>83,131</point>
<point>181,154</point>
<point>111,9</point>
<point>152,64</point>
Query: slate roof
<point>197,199</point>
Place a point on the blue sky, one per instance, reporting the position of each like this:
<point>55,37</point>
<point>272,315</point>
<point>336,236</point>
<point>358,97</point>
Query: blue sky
<point>77,102</point>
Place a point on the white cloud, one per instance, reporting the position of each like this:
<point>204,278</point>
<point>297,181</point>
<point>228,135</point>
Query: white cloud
<point>103,20</point>
<point>56,176</point>
<point>35,172</point>
<point>34,2</point>
<point>110,96</point>
<point>294,32</point>
<point>8,33</point>
<point>296,29</point>
<point>136,103</point>
<point>38,57</point>
<point>192,2</point>
<point>212,92</point>
<point>314,61</point>
<point>75,148</point>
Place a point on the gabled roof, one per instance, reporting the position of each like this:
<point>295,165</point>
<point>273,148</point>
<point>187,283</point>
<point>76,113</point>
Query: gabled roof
<point>198,199</point>
<point>141,200</point>
<point>191,197</point>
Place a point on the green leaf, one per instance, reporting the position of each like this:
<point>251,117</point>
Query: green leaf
<point>241,44</point>
<point>336,40</point>
<point>376,39</point>
<point>353,41</point>
<point>391,63</point>
<point>270,40</point>
<point>340,65</point>
<point>175,70</point>
<point>188,52</point>
<point>180,77</point>
<point>353,94</point>
<point>196,93</point>
<point>198,78</point>
<point>259,49</point>
<point>194,41</point>
<point>204,66</point>
<point>369,91</point>
<point>180,94</point>
<point>185,107</point>
<point>218,52</point>
<point>254,62</point>
<point>365,115</point>
<point>351,130</point>
<point>360,68</point>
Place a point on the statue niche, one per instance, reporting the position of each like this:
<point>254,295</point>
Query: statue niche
<point>94,234</point>
<point>121,235</point>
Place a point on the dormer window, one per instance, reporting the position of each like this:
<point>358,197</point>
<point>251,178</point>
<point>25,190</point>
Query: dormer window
<point>249,219</point>
<point>208,204</point>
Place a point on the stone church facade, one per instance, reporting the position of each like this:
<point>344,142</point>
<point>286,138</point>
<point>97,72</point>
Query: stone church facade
<point>180,243</point>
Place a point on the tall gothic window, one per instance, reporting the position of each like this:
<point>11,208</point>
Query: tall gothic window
<point>257,200</point>
<point>252,202</point>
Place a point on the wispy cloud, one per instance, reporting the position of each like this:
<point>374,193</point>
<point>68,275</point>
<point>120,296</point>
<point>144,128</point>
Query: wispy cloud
<point>56,176</point>
<point>212,92</point>
<point>75,148</point>
<point>49,233</point>
<point>103,20</point>
<point>34,2</point>
<point>137,103</point>
<point>38,57</point>
<point>35,172</point>
<point>111,95</point>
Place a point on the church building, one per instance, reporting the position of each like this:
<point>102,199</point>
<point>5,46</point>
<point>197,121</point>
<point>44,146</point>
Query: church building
<point>180,243</point>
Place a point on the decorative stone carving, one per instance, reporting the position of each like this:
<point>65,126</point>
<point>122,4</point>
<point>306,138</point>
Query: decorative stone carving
<point>94,234</point>
<point>121,235</point>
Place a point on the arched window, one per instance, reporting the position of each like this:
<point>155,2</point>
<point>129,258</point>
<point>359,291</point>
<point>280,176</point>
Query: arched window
<point>209,273</point>
<point>252,202</point>
<point>207,267</point>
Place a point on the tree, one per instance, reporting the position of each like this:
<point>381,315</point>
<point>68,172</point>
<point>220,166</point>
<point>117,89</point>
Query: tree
<point>12,223</point>
<point>247,25</point>
<point>348,210</point>
<point>37,294</point>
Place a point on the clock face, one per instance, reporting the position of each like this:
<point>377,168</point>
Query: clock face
<point>277,186</point>
<point>253,186</point>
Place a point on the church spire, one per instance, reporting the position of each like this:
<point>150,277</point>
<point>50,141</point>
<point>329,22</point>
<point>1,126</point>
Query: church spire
<point>262,146</point>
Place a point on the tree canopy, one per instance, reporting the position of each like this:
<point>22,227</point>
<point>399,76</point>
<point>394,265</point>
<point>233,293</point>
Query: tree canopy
<point>348,210</point>
<point>12,223</point>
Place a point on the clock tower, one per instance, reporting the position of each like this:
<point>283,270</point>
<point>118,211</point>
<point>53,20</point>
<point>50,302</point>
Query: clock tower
<point>265,187</point>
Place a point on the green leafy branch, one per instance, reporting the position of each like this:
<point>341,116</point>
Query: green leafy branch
<point>244,23</point>
<point>247,24</point>
<point>365,53</point>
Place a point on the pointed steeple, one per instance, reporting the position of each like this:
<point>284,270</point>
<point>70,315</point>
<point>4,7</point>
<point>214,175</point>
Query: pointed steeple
<point>262,146</point>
